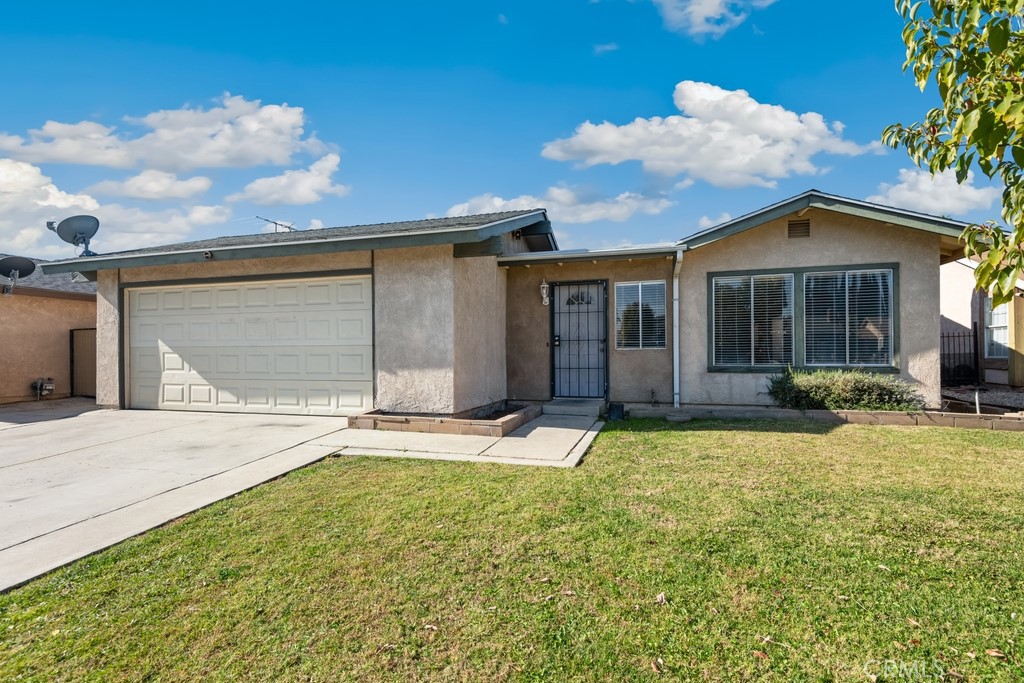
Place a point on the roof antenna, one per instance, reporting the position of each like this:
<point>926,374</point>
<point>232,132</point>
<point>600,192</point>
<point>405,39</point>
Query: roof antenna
<point>12,268</point>
<point>278,226</point>
<point>77,230</point>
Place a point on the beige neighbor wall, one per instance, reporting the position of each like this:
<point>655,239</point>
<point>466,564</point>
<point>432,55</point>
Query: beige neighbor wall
<point>35,342</point>
<point>108,338</point>
<point>414,329</point>
<point>479,333</point>
<point>836,240</point>
<point>959,300</point>
<point>632,374</point>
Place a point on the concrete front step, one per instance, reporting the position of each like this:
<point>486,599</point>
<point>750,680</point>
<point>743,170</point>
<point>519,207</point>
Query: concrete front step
<point>584,407</point>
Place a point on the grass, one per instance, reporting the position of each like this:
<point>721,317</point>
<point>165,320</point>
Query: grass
<point>785,551</point>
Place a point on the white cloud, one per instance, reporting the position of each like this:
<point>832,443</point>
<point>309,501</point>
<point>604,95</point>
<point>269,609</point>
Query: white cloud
<point>236,133</point>
<point>605,47</point>
<point>940,195</point>
<point>564,205</point>
<point>706,222</point>
<point>316,224</point>
<point>304,186</point>
<point>28,199</point>
<point>152,184</point>
<point>700,18</point>
<point>724,137</point>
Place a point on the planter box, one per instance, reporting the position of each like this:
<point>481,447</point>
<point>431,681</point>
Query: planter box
<point>499,427</point>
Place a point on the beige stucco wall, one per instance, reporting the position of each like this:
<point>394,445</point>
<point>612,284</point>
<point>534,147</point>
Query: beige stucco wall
<point>836,240</point>
<point>108,339</point>
<point>35,342</point>
<point>414,329</point>
<point>479,320</point>
<point>632,374</point>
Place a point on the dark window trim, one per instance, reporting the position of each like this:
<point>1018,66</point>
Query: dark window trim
<point>799,350</point>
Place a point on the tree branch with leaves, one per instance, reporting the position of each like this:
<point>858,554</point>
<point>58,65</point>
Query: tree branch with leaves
<point>973,52</point>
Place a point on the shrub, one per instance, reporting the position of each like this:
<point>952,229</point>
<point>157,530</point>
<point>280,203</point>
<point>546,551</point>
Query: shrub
<point>842,390</point>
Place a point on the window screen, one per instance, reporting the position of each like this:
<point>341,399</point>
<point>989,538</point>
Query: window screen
<point>753,320</point>
<point>640,315</point>
<point>997,330</point>
<point>848,318</point>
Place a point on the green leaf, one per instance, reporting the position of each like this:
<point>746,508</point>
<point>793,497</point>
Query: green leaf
<point>998,35</point>
<point>1018,155</point>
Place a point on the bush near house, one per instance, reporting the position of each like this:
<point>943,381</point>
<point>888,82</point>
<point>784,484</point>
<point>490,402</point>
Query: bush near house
<point>842,390</point>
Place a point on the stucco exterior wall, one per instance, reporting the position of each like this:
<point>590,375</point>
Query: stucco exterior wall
<point>479,320</point>
<point>836,240</point>
<point>108,339</point>
<point>414,330</point>
<point>632,374</point>
<point>35,342</point>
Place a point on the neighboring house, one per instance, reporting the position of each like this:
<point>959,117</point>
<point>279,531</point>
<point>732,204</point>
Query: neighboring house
<point>446,316</point>
<point>999,329</point>
<point>36,321</point>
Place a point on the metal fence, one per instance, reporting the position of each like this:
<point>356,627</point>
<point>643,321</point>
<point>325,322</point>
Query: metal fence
<point>960,357</point>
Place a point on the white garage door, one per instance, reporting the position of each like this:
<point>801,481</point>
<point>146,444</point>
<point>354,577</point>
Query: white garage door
<point>300,347</point>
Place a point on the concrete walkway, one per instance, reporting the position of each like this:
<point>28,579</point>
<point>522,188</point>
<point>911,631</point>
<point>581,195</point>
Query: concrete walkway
<point>75,480</point>
<point>548,441</point>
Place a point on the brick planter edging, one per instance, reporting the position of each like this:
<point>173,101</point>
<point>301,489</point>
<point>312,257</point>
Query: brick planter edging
<point>927,418</point>
<point>445,425</point>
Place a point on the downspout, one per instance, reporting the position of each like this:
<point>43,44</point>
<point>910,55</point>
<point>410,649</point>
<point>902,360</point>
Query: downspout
<point>676,379</point>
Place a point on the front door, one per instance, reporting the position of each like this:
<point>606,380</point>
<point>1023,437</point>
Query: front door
<point>579,328</point>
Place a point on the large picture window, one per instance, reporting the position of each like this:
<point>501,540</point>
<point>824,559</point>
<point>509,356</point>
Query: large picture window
<point>848,318</point>
<point>753,320</point>
<point>809,317</point>
<point>640,315</point>
<point>997,330</point>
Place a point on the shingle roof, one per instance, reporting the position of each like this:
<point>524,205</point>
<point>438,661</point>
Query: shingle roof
<point>371,230</point>
<point>60,282</point>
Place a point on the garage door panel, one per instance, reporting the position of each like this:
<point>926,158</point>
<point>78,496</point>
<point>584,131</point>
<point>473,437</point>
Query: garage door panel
<point>295,347</point>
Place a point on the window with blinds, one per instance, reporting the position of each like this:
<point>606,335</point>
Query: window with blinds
<point>848,318</point>
<point>997,330</point>
<point>640,315</point>
<point>752,320</point>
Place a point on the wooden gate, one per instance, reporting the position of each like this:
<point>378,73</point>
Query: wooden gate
<point>83,362</point>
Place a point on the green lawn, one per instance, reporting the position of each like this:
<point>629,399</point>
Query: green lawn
<point>785,551</point>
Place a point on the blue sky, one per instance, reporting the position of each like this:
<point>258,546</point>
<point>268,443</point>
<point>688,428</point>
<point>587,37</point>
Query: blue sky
<point>632,121</point>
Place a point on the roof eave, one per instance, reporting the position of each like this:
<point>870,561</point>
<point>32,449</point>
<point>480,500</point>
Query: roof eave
<point>302,248</point>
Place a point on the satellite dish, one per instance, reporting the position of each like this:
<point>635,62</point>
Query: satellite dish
<point>77,230</point>
<point>14,267</point>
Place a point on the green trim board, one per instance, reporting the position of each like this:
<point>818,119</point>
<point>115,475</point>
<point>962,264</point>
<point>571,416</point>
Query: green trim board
<point>799,330</point>
<point>814,199</point>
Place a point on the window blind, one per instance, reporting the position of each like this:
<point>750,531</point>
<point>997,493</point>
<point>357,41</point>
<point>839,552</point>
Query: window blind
<point>848,318</point>
<point>640,315</point>
<point>753,320</point>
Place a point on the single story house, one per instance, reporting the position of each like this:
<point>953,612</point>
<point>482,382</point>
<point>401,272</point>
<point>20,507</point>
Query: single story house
<point>998,330</point>
<point>38,321</point>
<point>452,316</point>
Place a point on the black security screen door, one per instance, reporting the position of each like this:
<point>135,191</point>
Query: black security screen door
<point>579,342</point>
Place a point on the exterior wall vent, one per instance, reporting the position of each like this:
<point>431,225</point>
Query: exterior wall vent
<point>800,228</point>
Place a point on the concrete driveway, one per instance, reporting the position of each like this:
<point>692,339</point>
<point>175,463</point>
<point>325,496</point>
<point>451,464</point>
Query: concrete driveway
<point>74,480</point>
